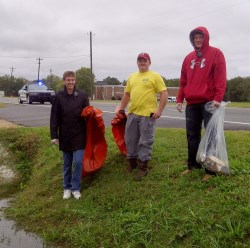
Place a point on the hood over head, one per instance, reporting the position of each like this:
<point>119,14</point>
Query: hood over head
<point>200,30</point>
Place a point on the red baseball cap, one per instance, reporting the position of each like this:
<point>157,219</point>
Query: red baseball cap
<point>144,56</point>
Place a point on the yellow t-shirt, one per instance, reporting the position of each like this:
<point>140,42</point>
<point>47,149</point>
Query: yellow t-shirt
<point>143,89</point>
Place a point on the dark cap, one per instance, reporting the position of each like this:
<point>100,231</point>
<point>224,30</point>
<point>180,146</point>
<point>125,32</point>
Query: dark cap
<point>144,56</point>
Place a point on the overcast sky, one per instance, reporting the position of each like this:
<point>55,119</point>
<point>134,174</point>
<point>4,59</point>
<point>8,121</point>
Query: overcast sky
<point>58,32</point>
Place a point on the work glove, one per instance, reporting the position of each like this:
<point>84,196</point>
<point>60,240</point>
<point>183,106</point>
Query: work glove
<point>122,112</point>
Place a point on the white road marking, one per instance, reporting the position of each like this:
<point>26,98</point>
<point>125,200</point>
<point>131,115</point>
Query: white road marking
<point>240,123</point>
<point>181,118</point>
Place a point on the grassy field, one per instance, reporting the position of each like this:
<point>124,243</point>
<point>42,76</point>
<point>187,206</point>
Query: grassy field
<point>165,209</point>
<point>239,104</point>
<point>230,105</point>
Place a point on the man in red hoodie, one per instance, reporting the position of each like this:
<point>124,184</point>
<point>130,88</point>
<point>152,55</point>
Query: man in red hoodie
<point>203,79</point>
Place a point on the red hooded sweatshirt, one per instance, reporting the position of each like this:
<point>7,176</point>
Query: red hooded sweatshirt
<point>203,73</point>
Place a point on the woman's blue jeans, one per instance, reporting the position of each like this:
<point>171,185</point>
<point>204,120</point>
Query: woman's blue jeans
<point>72,169</point>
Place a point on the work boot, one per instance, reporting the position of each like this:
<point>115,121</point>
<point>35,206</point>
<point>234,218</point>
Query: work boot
<point>133,163</point>
<point>143,170</point>
<point>207,177</point>
<point>186,172</point>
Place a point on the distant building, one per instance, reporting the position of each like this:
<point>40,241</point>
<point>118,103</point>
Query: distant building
<point>173,91</point>
<point>100,83</point>
<point>115,92</point>
<point>109,92</point>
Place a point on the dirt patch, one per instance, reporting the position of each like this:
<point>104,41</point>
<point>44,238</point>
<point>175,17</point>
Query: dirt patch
<point>7,124</point>
<point>6,172</point>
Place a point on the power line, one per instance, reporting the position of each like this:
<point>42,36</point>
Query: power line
<point>65,63</point>
<point>77,56</point>
<point>60,57</point>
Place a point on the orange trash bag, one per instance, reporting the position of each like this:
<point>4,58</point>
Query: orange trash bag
<point>96,146</point>
<point>118,129</point>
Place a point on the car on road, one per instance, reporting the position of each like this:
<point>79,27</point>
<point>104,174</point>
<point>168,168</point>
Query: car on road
<point>35,92</point>
<point>172,99</point>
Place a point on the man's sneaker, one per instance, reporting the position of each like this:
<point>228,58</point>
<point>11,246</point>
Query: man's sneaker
<point>186,172</point>
<point>66,194</point>
<point>207,177</point>
<point>76,194</point>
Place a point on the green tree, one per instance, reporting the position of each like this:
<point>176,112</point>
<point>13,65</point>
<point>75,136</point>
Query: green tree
<point>111,81</point>
<point>18,83</point>
<point>168,82</point>
<point>54,82</point>
<point>11,85</point>
<point>171,82</point>
<point>84,80</point>
<point>238,90</point>
<point>5,84</point>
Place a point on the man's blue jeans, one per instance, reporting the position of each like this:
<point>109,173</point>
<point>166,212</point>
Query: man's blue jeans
<point>72,174</point>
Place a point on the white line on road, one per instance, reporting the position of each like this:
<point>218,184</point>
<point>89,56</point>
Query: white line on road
<point>240,123</point>
<point>181,118</point>
<point>172,117</point>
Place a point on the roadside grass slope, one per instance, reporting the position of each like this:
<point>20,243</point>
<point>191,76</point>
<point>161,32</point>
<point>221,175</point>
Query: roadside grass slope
<point>165,209</point>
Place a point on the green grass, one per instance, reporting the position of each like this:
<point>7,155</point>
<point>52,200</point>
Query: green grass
<point>232,104</point>
<point>163,210</point>
<point>239,104</point>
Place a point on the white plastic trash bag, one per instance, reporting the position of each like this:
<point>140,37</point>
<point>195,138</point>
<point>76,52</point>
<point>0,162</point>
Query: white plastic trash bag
<point>212,151</point>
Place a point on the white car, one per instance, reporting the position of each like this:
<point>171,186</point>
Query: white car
<point>172,99</point>
<point>35,92</point>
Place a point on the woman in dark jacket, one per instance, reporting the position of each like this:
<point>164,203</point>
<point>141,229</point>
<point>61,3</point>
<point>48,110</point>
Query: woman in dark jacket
<point>68,130</point>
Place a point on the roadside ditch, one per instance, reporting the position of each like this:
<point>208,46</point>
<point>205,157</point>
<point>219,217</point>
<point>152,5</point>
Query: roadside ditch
<point>11,235</point>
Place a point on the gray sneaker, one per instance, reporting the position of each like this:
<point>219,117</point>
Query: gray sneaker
<point>76,194</point>
<point>66,194</point>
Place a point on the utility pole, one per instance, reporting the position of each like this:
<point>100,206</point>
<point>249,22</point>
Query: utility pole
<point>51,77</point>
<point>91,69</point>
<point>11,71</point>
<point>39,63</point>
<point>11,75</point>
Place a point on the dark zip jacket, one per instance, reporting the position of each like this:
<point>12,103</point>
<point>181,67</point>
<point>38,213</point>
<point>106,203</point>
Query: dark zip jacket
<point>66,123</point>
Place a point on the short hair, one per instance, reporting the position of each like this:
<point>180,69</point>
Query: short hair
<point>68,74</point>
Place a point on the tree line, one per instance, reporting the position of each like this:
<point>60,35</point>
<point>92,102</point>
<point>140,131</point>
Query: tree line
<point>238,89</point>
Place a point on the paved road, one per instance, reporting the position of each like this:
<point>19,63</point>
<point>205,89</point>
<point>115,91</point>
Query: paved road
<point>34,115</point>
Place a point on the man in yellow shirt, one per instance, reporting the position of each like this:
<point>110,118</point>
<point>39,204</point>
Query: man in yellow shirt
<point>141,95</point>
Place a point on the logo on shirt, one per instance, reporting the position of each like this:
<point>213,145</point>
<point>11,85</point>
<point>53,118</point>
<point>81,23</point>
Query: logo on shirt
<point>145,80</point>
<point>201,63</point>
